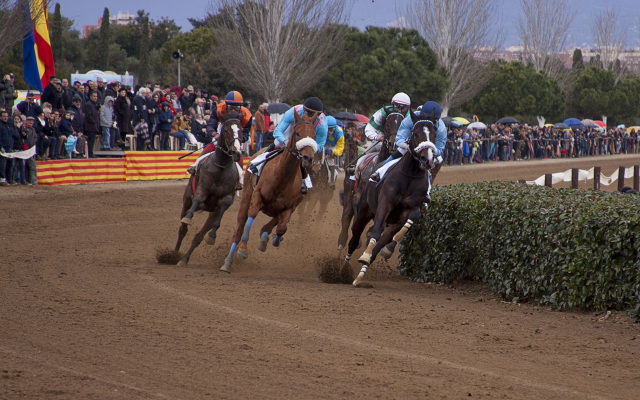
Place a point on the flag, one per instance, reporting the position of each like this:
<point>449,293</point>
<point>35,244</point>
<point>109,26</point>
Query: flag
<point>38,57</point>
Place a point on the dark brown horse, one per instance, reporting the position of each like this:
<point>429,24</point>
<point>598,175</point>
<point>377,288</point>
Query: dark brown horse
<point>395,202</point>
<point>215,184</point>
<point>368,164</point>
<point>277,191</point>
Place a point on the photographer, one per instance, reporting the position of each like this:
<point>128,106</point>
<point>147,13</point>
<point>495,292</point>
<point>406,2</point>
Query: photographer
<point>8,93</point>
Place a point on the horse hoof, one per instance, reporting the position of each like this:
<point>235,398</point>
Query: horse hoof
<point>243,255</point>
<point>262,245</point>
<point>386,253</point>
<point>365,259</point>
<point>186,220</point>
<point>226,268</point>
<point>339,247</point>
<point>181,263</point>
<point>276,241</point>
<point>209,240</point>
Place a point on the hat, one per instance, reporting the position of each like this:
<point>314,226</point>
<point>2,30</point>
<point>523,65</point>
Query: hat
<point>233,97</point>
<point>164,103</point>
<point>71,112</point>
<point>431,107</point>
<point>331,122</point>
<point>313,104</point>
<point>77,98</point>
<point>402,99</point>
<point>30,118</point>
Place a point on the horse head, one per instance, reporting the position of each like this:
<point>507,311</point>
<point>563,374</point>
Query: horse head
<point>229,140</point>
<point>391,125</point>
<point>421,142</point>
<point>303,138</point>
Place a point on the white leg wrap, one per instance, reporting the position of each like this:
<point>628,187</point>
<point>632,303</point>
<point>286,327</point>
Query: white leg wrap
<point>307,180</point>
<point>240,174</point>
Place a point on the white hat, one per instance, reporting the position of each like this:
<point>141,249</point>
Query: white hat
<point>401,98</point>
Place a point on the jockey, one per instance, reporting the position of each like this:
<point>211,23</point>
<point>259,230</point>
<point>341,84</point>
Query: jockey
<point>400,103</point>
<point>334,145</point>
<point>233,102</point>
<point>404,133</point>
<point>282,134</point>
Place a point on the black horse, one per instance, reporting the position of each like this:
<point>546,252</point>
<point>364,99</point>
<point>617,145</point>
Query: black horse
<point>395,202</point>
<point>212,187</point>
<point>367,164</point>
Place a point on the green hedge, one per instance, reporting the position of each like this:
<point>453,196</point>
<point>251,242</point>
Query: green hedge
<point>561,247</point>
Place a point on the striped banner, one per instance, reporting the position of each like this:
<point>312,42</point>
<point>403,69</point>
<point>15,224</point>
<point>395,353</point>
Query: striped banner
<point>135,166</point>
<point>81,170</point>
<point>152,165</point>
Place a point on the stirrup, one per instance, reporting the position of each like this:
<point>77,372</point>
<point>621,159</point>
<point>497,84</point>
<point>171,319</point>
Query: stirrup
<point>191,170</point>
<point>375,177</point>
<point>253,169</point>
<point>304,189</point>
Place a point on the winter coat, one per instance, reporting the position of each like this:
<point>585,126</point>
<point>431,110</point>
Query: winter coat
<point>122,110</point>
<point>166,119</point>
<point>106,113</point>
<point>91,117</point>
<point>140,110</point>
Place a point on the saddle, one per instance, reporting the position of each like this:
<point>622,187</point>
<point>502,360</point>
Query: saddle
<point>361,165</point>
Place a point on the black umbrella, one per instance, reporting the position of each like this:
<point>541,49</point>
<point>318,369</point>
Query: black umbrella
<point>450,122</point>
<point>278,108</point>
<point>507,120</point>
<point>345,116</point>
<point>560,125</point>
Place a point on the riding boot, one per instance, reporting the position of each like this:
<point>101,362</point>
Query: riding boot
<point>271,148</point>
<point>304,188</point>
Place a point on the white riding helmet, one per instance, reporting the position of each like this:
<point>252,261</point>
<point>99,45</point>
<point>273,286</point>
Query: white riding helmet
<point>401,98</point>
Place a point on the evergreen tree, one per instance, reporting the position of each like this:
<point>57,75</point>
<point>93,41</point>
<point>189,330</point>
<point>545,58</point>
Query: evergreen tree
<point>578,63</point>
<point>143,25</point>
<point>102,56</point>
<point>56,27</point>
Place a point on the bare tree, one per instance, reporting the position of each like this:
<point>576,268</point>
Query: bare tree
<point>16,21</point>
<point>279,48</point>
<point>456,30</point>
<point>544,27</point>
<point>610,38</point>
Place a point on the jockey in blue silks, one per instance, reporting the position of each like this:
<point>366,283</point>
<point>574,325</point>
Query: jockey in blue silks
<point>333,147</point>
<point>282,134</point>
<point>404,133</point>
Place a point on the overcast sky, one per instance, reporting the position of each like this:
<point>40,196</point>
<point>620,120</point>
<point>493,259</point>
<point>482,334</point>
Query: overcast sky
<point>364,13</point>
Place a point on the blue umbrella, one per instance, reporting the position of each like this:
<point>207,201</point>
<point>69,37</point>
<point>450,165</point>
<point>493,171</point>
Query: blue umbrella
<point>572,121</point>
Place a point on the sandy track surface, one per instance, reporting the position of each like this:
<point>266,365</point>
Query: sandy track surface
<point>87,313</point>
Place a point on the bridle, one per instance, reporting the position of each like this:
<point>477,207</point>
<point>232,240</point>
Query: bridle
<point>226,149</point>
<point>295,152</point>
<point>412,147</point>
<point>390,145</point>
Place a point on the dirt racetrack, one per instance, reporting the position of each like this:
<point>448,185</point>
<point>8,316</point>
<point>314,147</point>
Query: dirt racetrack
<point>87,313</point>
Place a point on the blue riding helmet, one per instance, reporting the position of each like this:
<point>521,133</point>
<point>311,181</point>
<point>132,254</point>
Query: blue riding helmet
<point>431,107</point>
<point>331,122</point>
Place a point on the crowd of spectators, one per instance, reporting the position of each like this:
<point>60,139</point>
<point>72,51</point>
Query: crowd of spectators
<point>83,111</point>
<point>517,142</point>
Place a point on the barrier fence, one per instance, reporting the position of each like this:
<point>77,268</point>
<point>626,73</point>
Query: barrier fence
<point>575,175</point>
<point>135,166</point>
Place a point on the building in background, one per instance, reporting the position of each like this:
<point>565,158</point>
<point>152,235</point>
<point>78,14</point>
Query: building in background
<point>118,19</point>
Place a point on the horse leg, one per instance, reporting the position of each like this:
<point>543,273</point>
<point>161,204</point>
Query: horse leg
<point>197,202</point>
<point>247,194</point>
<point>252,213</point>
<point>281,229</point>
<point>265,232</point>
<point>184,228</point>
<point>383,210</point>
<point>434,172</point>
<point>362,217</point>
<point>347,216</point>
<point>387,251</point>
<point>210,239</point>
<point>197,239</point>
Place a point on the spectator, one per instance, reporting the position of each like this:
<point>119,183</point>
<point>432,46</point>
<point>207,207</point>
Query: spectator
<point>153,107</point>
<point>199,130</point>
<point>67,94</point>
<point>259,128</point>
<point>122,110</point>
<point>52,133</point>
<point>20,143</point>
<point>91,121</point>
<point>180,129</point>
<point>174,104</point>
<point>6,145</point>
<point>8,93</point>
<point>112,89</point>
<point>187,98</point>
<point>142,133</point>
<point>165,119</point>
<point>106,123</point>
<point>140,106</point>
<point>32,139</point>
<point>29,107</point>
<point>50,94</point>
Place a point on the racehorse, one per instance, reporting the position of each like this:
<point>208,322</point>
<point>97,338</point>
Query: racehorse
<point>212,187</point>
<point>396,201</point>
<point>366,165</point>
<point>276,192</point>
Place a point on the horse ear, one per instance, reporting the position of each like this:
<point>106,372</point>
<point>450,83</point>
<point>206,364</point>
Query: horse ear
<point>296,117</point>
<point>315,117</point>
<point>414,118</point>
<point>433,115</point>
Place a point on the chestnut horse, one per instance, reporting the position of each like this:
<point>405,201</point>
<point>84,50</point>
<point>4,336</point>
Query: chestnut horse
<point>396,201</point>
<point>351,194</point>
<point>277,191</point>
<point>215,183</point>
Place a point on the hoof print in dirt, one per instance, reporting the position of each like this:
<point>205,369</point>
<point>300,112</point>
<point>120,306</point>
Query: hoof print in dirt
<point>168,257</point>
<point>335,270</point>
